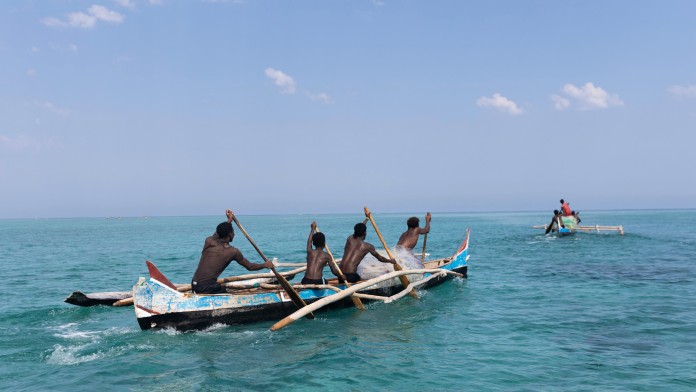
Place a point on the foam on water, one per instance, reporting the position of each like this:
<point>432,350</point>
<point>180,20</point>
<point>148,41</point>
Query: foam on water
<point>71,355</point>
<point>168,331</point>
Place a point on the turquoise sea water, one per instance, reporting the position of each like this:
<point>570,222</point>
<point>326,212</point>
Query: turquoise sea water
<point>592,312</point>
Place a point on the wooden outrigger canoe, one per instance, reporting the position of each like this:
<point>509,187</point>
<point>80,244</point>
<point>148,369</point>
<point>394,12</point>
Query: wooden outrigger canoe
<point>571,227</point>
<point>158,303</point>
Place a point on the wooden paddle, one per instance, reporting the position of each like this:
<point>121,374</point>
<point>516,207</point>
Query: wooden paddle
<point>425,241</point>
<point>294,296</point>
<point>404,280</point>
<point>356,301</point>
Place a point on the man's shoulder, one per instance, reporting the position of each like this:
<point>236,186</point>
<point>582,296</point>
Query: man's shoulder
<point>231,250</point>
<point>366,245</point>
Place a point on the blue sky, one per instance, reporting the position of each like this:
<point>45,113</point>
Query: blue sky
<point>137,107</point>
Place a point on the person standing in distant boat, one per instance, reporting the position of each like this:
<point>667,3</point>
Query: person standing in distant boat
<point>556,219</point>
<point>217,254</point>
<point>355,250</point>
<point>317,258</point>
<point>565,208</point>
<point>409,238</point>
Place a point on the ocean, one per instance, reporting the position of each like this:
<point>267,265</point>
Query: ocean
<point>591,312</point>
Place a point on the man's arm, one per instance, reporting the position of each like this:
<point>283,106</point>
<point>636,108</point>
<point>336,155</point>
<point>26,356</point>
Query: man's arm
<point>241,260</point>
<point>426,229</point>
<point>309,240</point>
<point>378,256</point>
<point>334,270</point>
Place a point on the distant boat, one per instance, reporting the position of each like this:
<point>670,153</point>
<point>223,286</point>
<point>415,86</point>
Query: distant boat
<point>570,226</point>
<point>158,304</point>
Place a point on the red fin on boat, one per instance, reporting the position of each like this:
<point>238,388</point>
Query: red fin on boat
<point>159,276</point>
<point>465,244</point>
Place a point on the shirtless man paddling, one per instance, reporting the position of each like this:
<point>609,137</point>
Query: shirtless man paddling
<point>356,248</point>
<point>409,238</point>
<point>217,254</point>
<point>317,258</point>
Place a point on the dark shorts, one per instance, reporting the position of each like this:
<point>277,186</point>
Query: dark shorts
<point>312,281</point>
<point>210,288</point>
<point>352,277</point>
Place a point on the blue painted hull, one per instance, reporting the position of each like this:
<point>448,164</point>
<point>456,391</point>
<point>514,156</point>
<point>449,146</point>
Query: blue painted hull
<point>158,306</point>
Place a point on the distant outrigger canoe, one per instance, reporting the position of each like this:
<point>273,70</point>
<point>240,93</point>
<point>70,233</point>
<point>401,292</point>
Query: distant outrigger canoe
<point>570,226</point>
<point>158,304</point>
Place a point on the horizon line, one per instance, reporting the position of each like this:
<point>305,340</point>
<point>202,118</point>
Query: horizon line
<point>338,213</point>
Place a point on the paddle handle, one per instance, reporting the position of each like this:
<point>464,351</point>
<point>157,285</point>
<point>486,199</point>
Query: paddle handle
<point>404,280</point>
<point>356,301</point>
<point>251,241</point>
<point>368,214</point>
<point>425,241</point>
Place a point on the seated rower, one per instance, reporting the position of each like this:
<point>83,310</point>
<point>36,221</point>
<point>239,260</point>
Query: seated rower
<point>576,215</point>
<point>409,238</point>
<point>216,256</point>
<point>317,258</point>
<point>355,250</point>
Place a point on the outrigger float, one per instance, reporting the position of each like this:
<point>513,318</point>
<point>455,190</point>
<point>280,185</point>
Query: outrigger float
<point>160,304</point>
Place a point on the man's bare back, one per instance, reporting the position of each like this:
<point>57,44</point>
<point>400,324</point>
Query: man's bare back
<point>316,258</point>
<point>409,238</point>
<point>356,249</point>
<point>316,261</point>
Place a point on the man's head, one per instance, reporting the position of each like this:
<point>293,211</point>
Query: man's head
<point>318,240</point>
<point>555,212</point>
<point>359,230</point>
<point>412,222</point>
<point>562,201</point>
<point>224,230</point>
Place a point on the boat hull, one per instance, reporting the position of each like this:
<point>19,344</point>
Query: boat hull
<point>272,311</point>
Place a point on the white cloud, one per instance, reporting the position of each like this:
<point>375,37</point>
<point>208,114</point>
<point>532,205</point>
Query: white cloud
<point>50,106</point>
<point>79,19</point>
<point>105,14</point>
<point>126,4</point>
<point>35,49</point>
<point>501,103</point>
<point>31,72</point>
<point>86,21</point>
<point>559,102</point>
<point>285,82</point>
<point>683,91</point>
<point>53,22</point>
<point>321,97</point>
<point>589,97</point>
<point>155,2</point>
